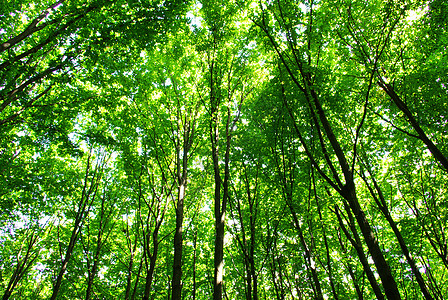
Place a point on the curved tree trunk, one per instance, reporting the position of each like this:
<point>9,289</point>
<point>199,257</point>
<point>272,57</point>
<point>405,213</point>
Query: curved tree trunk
<point>435,151</point>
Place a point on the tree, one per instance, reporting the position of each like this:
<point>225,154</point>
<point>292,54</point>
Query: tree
<point>302,145</point>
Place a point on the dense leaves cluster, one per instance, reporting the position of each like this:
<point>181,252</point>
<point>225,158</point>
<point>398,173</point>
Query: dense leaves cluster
<point>233,149</point>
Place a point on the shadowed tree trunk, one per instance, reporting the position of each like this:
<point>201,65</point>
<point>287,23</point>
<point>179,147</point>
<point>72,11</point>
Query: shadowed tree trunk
<point>356,243</point>
<point>24,262</point>
<point>222,87</point>
<point>378,196</point>
<point>88,195</point>
<point>106,214</point>
<point>435,151</point>
<point>248,246</point>
<point>157,209</point>
<point>344,185</point>
<point>350,270</point>
<point>186,125</point>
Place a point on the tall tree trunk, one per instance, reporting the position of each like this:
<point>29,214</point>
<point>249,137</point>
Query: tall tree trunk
<point>435,151</point>
<point>177,261</point>
<point>349,268</point>
<point>253,271</point>
<point>68,255</point>
<point>356,243</point>
<point>181,172</point>
<point>88,195</point>
<point>218,257</point>
<point>91,277</point>
<point>216,98</point>
<point>23,263</point>
<point>194,264</point>
<point>219,213</point>
<point>140,268</point>
<point>382,205</point>
<point>129,277</point>
<point>327,250</point>
<point>384,271</point>
<point>304,82</point>
<point>152,258</point>
<point>220,206</point>
<point>147,253</point>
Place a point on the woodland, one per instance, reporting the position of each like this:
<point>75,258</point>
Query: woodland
<point>270,149</point>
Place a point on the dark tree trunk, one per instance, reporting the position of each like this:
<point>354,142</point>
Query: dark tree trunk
<point>129,277</point>
<point>177,261</point>
<point>140,268</point>
<point>304,82</point>
<point>327,249</point>
<point>435,151</point>
<point>382,205</point>
<point>218,258</point>
<point>221,184</point>
<point>181,172</point>
<point>356,243</point>
<point>384,271</point>
<point>22,266</point>
<point>88,195</point>
<point>152,259</point>
<point>194,264</point>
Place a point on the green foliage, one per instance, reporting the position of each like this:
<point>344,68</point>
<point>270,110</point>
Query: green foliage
<point>99,100</point>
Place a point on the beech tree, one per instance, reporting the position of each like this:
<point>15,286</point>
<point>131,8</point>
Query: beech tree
<point>239,150</point>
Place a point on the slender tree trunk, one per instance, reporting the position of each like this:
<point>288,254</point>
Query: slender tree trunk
<point>134,292</point>
<point>220,214</point>
<point>348,192</point>
<point>253,272</point>
<point>435,151</point>
<point>310,264</point>
<point>382,205</point>
<point>305,84</point>
<point>253,214</point>
<point>91,277</point>
<point>218,257</point>
<point>389,284</point>
<point>355,283</point>
<point>152,260</point>
<point>356,243</point>
<point>67,257</point>
<point>22,266</point>
<point>220,200</point>
<point>194,264</point>
<point>182,172</point>
<point>132,249</point>
<point>327,250</point>
<point>87,193</point>
<point>129,277</point>
<point>177,264</point>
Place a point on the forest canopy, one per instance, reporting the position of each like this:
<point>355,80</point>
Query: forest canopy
<point>237,149</point>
